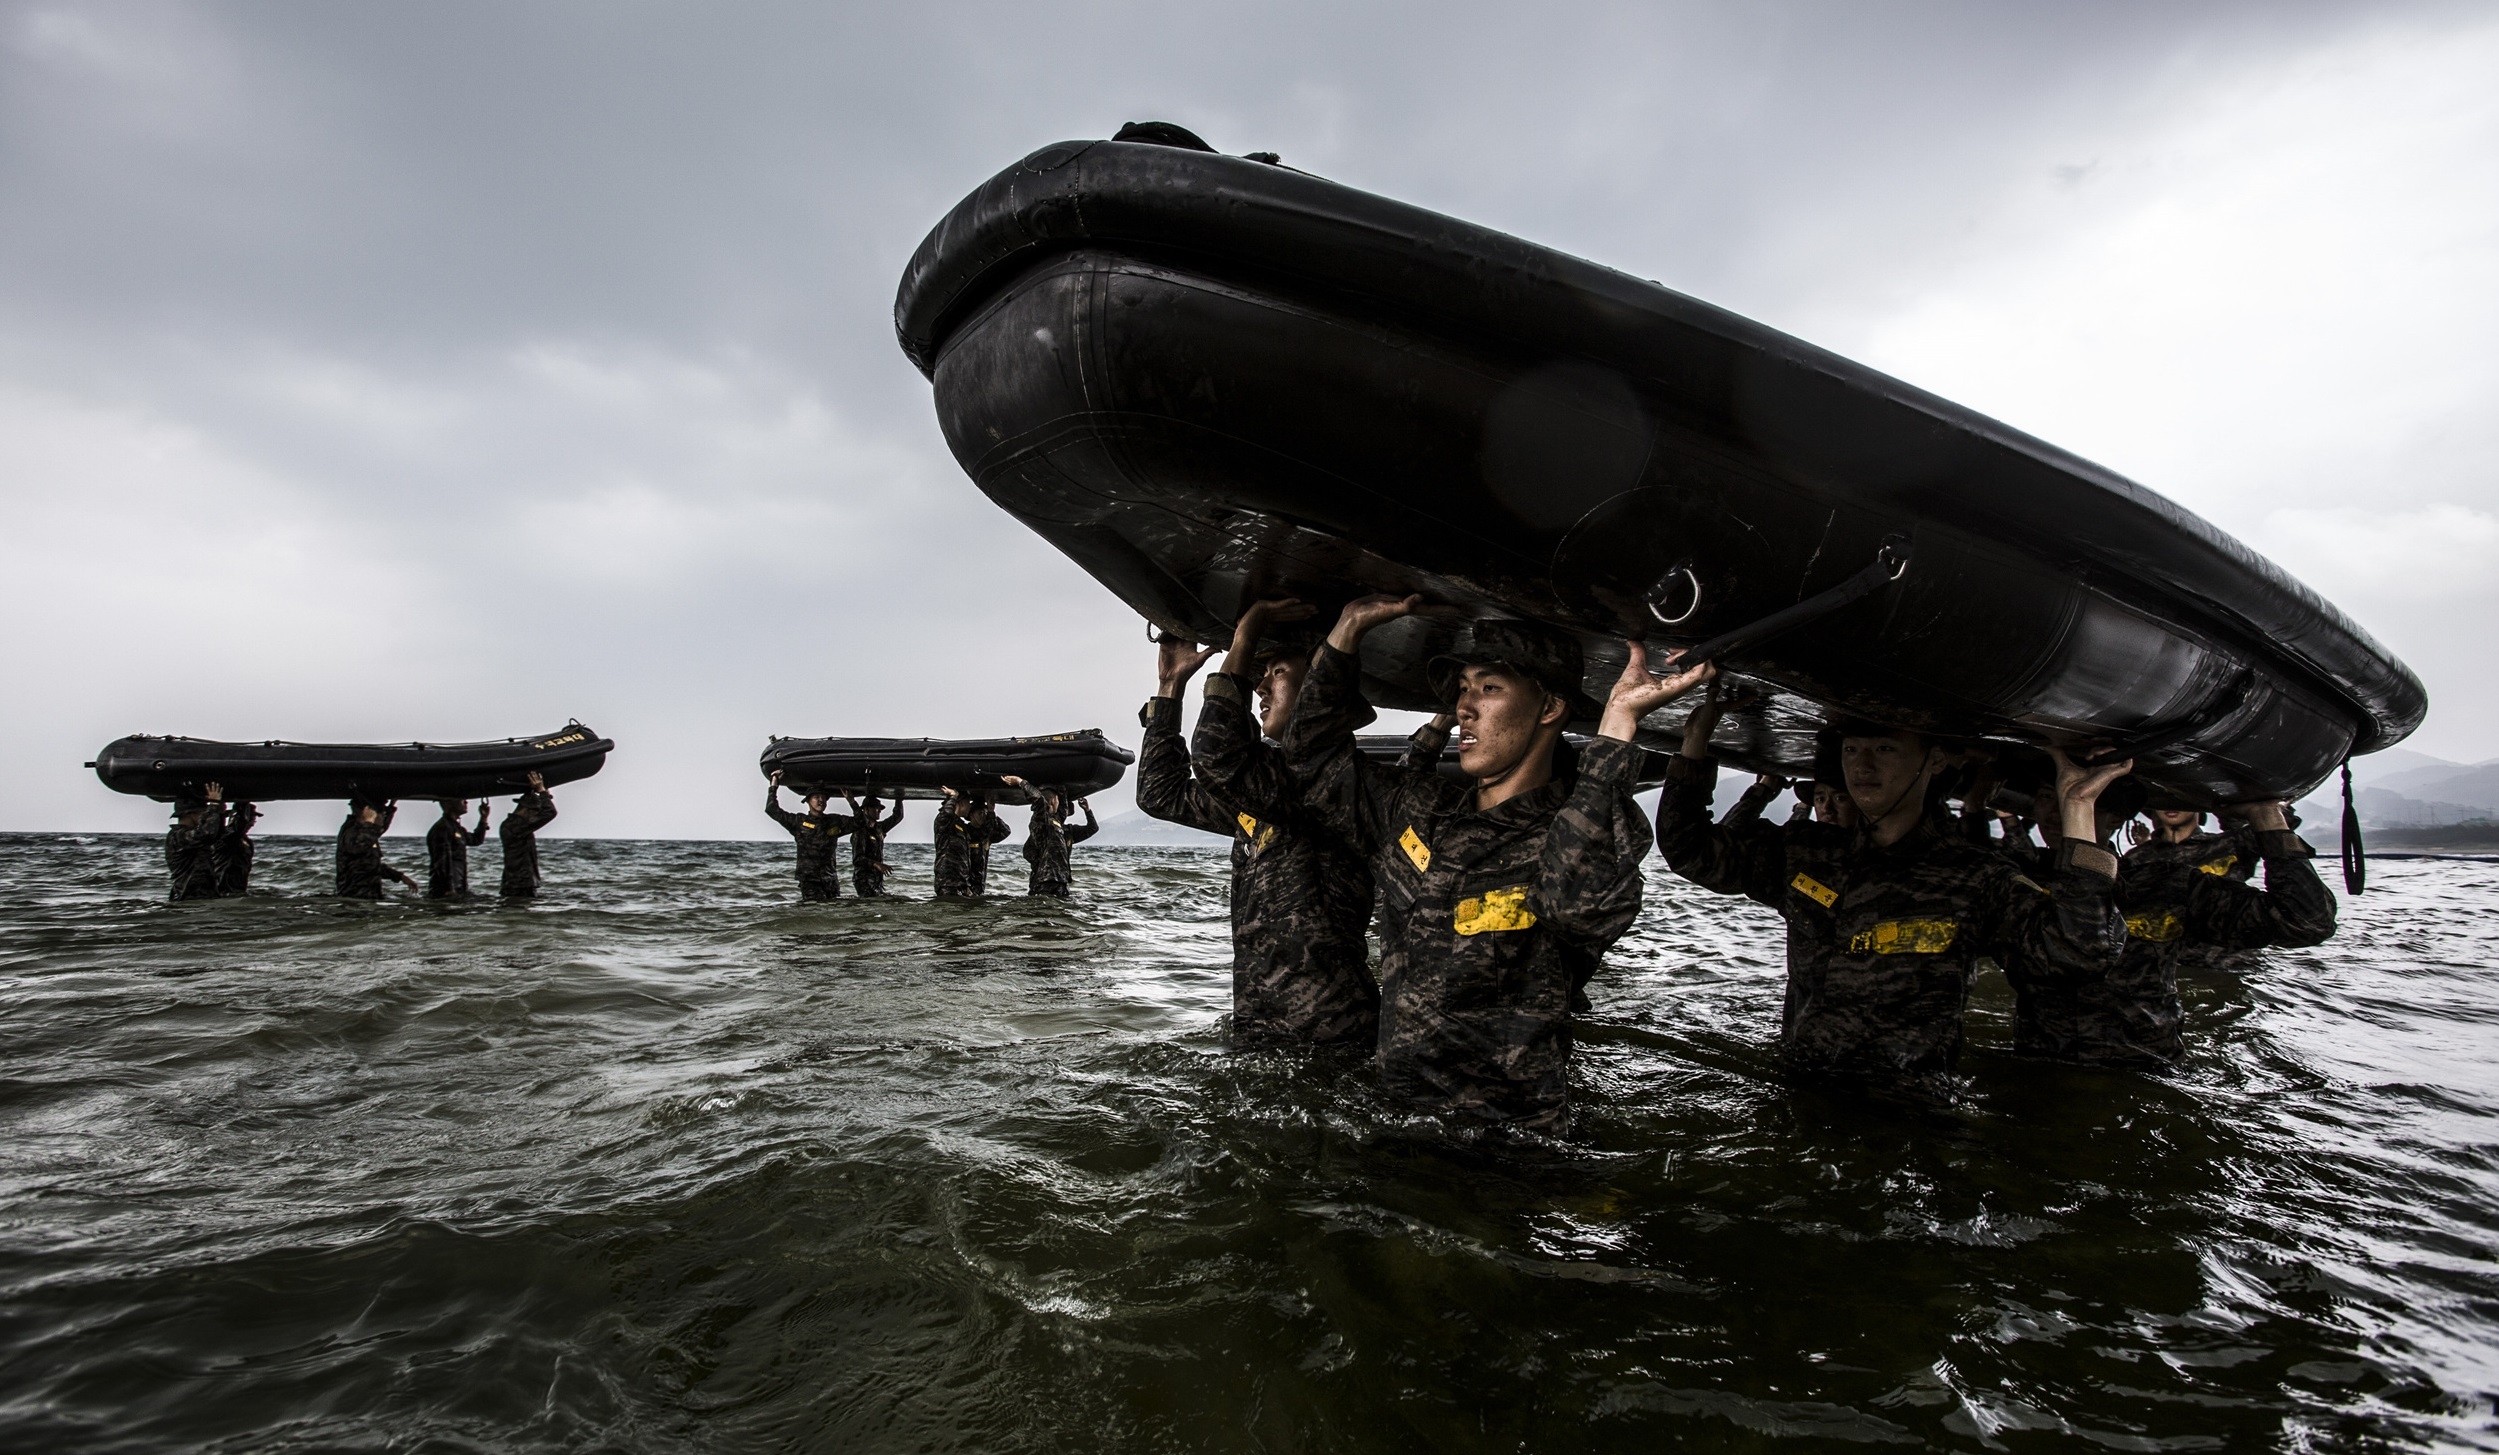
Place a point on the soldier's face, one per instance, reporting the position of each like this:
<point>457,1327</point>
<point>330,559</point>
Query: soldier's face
<point>1883,771</point>
<point>815,803</point>
<point>2177,823</point>
<point>1833,806</point>
<point>1278,691</point>
<point>454,807</point>
<point>1501,716</point>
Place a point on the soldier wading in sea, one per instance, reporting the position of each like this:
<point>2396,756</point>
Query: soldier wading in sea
<point>1887,920</point>
<point>191,845</point>
<point>2176,902</point>
<point>1301,896</point>
<point>1499,898</point>
<point>1048,838</point>
<point>360,867</point>
<point>967,824</point>
<point>531,812</point>
<point>231,857</point>
<point>819,837</point>
<point>447,848</point>
<point>867,843</point>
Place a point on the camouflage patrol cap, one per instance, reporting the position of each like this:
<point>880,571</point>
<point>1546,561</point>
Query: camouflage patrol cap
<point>1551,659</point>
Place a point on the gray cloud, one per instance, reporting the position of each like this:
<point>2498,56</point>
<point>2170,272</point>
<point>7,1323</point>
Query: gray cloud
<point>445,371</point>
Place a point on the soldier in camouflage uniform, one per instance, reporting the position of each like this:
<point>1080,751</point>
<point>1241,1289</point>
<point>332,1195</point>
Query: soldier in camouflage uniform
<point>531,812</point>
<point>819,837</point>
<point>360,867</point>
<point>1301,895</point>
<point>233,855</point>
<point>2175,902</point>
<point>2233,853</point>
<point>967,824</point>
<point>867,843</point>
<point>1886,921</point>
<point>1497,900</point>
<point>447,848</point>
<point>1048,839</point>
<point>191,846</point>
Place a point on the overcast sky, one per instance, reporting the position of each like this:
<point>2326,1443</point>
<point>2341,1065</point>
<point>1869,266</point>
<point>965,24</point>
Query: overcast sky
<point>447,371</point>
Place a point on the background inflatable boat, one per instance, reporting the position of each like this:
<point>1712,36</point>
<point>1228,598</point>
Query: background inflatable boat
<point>1207,378</point>
<point>167,768</point>
<point>1081,763</point>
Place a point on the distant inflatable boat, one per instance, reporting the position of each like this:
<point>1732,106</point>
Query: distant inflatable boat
<point>1078,764</point>
<point>1210,378</point>
<point>171,768</point>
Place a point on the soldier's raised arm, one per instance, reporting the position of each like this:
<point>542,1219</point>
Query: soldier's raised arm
<point>2293,911</point>
<point>2068,927</point>
<point>1167,785</point>
<point>1349,794</point>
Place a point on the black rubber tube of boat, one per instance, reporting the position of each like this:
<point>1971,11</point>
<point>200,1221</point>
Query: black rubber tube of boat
<point>1888,565</point>
<point>2355,853</point>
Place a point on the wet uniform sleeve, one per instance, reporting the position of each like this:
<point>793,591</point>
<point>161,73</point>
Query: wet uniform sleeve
<point>772,808</point>
<point>1167,786</point>
<point>2067,929</point>
<point>1747,856</point>
<point>991,829</point>
<point>1588,883</point>
<point>1078,833</point>
<point>1423,749</point>
<point>1239,767</point>
<point>891,819</point>
<point>2293,911</point>
<point>1352,796</point>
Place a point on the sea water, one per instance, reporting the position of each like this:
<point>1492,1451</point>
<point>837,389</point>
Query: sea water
<point>666,1161</point>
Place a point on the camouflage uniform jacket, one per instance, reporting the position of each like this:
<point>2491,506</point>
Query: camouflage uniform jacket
<point>1301,896</point>
<point>235,850</point>
<point>867,850</point>
<point>1489,917</point>
<point>2233,855</point>
<point>1046,842</point>
<point>819,837</point>
<point>2174,902</point>
<point>963,848</point>
<point>447,848</point>
<point>519,832</point>
<point>1882,941</point>
<point>360,867</point>
<point>191,854</point>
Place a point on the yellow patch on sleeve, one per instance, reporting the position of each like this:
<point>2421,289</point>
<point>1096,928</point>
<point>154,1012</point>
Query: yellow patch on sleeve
<point>1259,835</point>
<point>1499,909</point>
<point>2158,929</point>
<point>1815,890</point>
<point>2220,866</point>
<point>1416,849</point>
<point>1906,937</point>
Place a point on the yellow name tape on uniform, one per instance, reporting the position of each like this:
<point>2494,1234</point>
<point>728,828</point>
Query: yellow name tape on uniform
<point>2222,865</point>
<point>1416,849</point>
<point>1906,937</point>
<point>1499,909</point>
<point>1259,837</point>
<point>2159,929</point>
<point>1815,890</point>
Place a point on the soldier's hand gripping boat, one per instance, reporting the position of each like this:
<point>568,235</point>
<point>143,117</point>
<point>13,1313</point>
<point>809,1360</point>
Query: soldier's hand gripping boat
<point>1209,378</point>
<point>167,768</point>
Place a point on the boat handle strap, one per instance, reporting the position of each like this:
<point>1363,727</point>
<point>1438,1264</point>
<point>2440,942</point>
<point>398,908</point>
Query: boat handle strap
<point>1890,563</point>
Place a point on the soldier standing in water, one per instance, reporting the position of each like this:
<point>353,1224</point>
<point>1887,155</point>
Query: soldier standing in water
<point>818,834</point>
<point>1048,839</point>
<point>531,812</point>
<point>232,858</point>
<point>967,824</point>
<point>447,848</point>
<point>867,843</point>
<point>360,867</point>
<point>191,845</point>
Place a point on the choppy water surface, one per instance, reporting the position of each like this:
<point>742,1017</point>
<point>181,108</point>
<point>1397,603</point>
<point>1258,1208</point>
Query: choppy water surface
<point>662,1162</point>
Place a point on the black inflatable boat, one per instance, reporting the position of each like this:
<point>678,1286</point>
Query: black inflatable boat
<point>1207,378</point>
<point>169,768</point>
<point>1076,763</point>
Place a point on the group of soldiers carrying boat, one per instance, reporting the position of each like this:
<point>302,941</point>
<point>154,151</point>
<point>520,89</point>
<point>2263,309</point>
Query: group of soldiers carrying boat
<point>209,851</point>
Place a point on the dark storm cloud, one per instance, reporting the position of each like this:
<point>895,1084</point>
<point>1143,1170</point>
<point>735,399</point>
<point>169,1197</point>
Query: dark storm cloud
<point>493,362</point>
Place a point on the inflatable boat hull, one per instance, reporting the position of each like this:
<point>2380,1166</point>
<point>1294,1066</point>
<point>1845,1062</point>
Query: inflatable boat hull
<point>168,768</point>
<point>1206,378</point>
<point>1078,764</point>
